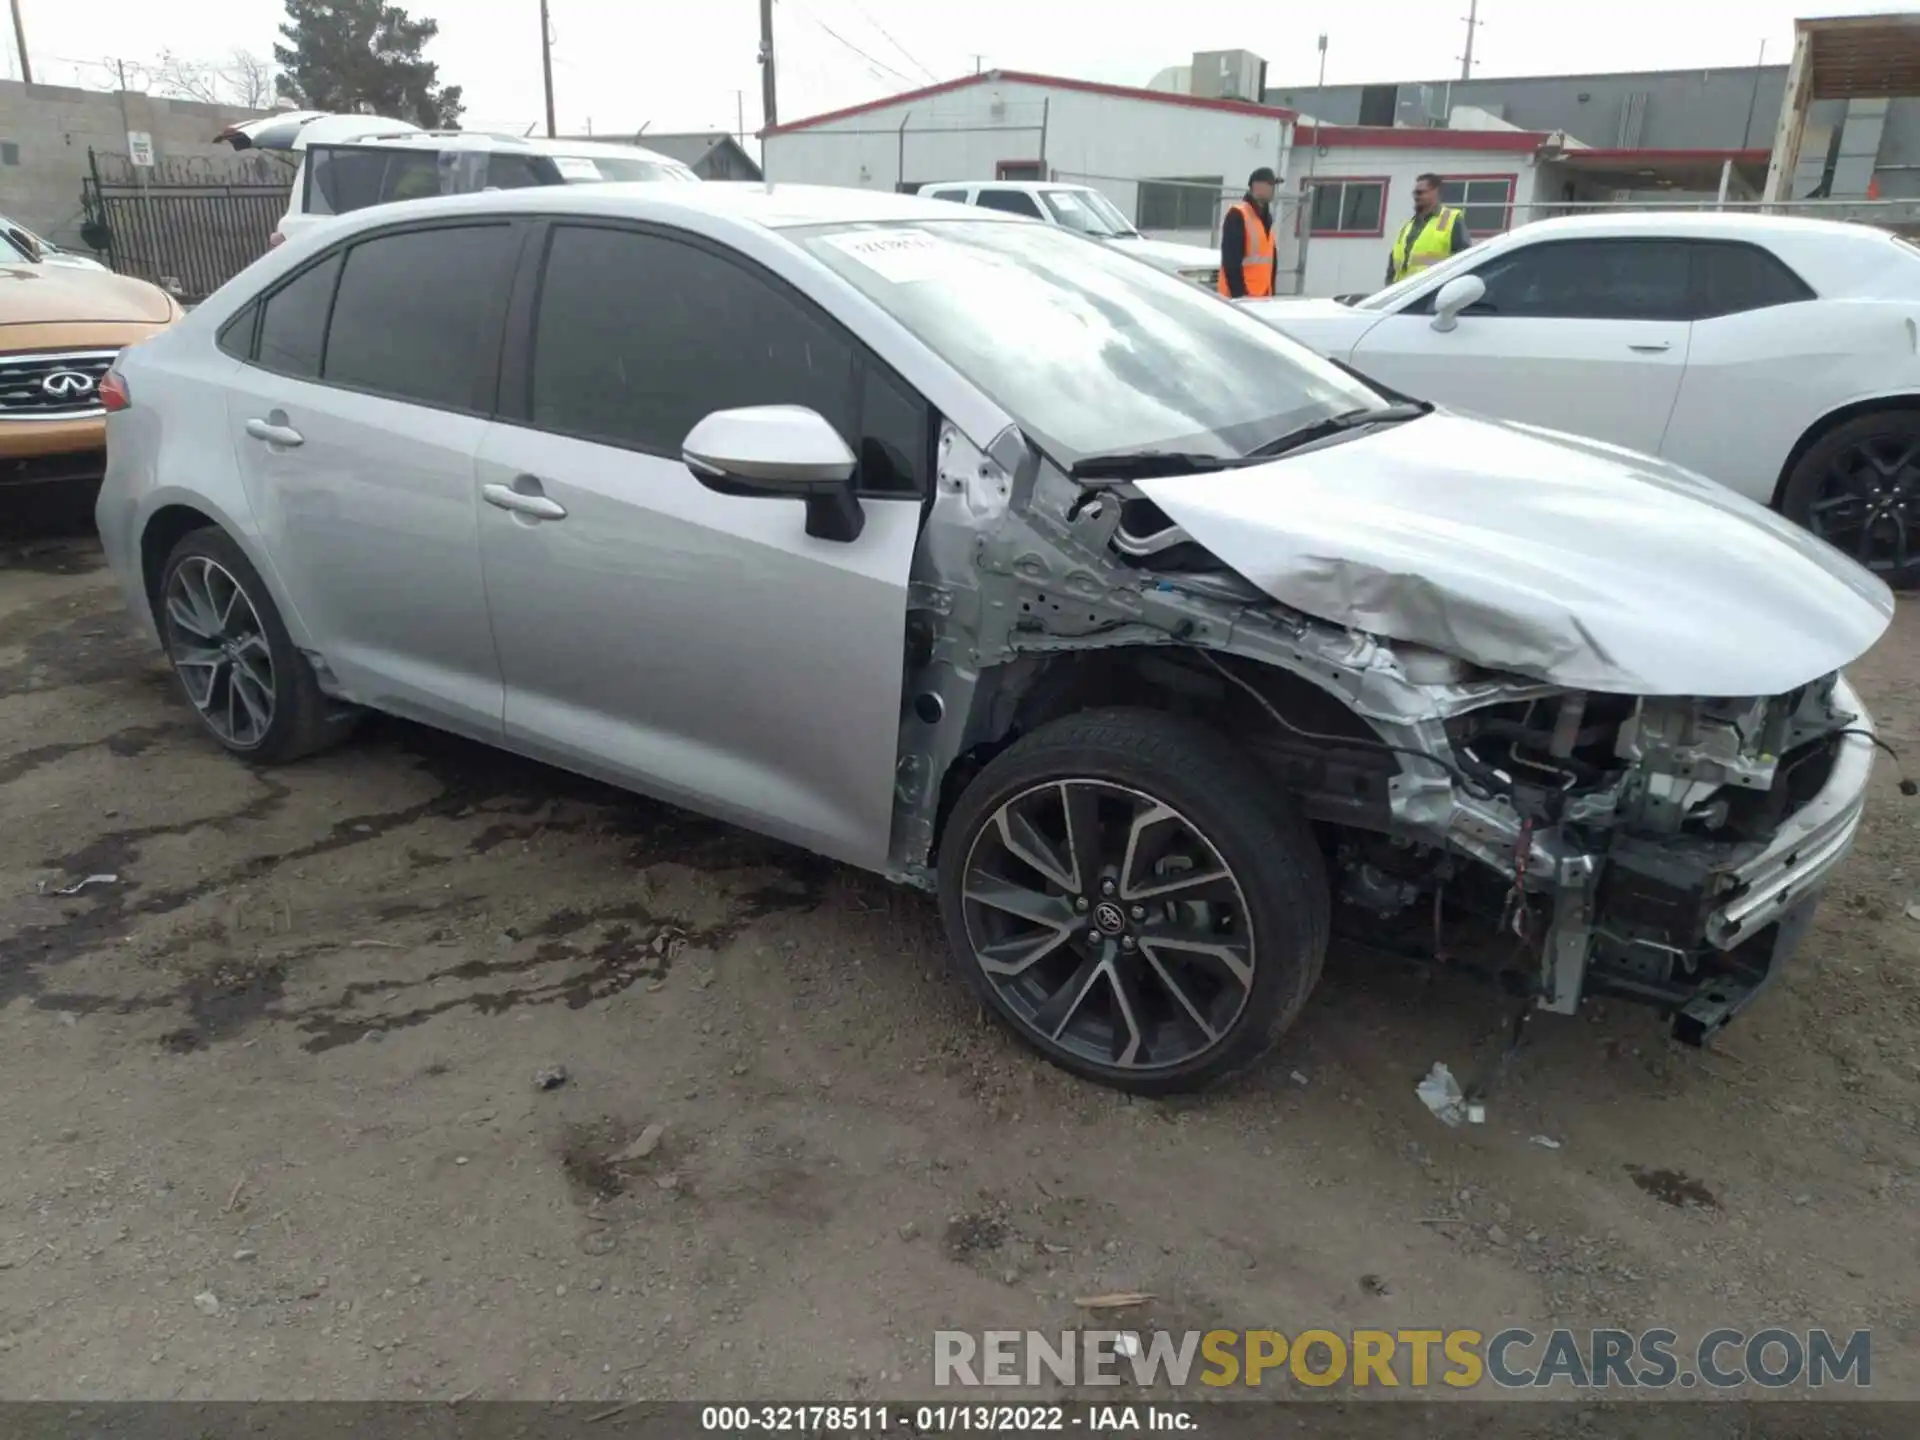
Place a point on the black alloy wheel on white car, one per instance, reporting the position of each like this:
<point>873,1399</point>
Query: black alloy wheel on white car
<point>1134,899</point>
<point>253,690</point>
<point>1858,488</point>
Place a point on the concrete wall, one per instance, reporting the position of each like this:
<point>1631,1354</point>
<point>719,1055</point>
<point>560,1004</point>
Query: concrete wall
<point>1340,265</point>
<point>45,131</point>
<point>1107,141</point>
<point>1657,110</point>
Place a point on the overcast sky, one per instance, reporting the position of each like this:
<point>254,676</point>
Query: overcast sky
<point>621,63</point>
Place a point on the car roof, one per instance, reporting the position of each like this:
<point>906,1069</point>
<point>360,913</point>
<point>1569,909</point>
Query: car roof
<point>774,207</point>
<point>1716,224</point>
<point>487,140</point>
<point>1030,186</point>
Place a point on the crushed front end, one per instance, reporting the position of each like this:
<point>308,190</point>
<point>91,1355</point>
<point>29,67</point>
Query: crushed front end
<point>1668,851</point>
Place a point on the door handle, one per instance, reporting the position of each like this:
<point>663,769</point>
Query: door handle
<point>273,434</point>
<point>505,497</point>
<point>1652,349</point>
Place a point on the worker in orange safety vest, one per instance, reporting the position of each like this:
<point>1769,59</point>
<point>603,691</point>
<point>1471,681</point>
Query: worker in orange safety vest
<point>1246,241</point>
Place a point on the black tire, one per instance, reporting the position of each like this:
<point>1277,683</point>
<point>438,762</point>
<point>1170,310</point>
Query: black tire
<point>301,720</point>
<point>1223,809</point>
<point>1858,487</point>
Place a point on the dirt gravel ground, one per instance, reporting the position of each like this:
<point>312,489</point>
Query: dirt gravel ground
<point>273,1129</point>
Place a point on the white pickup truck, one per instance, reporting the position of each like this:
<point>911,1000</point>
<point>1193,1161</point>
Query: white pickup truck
<point>1081,208</point>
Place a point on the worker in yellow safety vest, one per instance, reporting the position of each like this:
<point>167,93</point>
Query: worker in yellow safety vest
<point>1434,232</point>
<point>1246,241</point>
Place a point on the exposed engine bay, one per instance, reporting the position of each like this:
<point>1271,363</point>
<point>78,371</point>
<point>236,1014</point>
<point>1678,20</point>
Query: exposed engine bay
<point>1661,848</point>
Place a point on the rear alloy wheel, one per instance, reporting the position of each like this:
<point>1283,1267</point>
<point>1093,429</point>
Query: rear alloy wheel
<point>1134,899</point>
<point>1858,488</point>
<point>252,689</point>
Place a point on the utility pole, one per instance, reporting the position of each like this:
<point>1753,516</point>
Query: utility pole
<point>740,118</point>
<point>546,63</point>
<point>1323,62</point>
<point>20,39</point>
<point>769,103</point>
<point>1473,24</point>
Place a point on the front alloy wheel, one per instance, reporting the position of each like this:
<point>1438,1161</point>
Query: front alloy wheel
<point>1109,924</point>
<point>1134,899</point>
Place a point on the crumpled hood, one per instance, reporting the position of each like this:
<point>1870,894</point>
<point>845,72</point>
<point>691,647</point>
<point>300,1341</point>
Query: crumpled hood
<point>1525,550</point>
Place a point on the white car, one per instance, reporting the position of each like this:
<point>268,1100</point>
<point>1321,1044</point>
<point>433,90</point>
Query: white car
<point>1084,210</point>
<point>1778,356</point>
<point>38,248</point>
<point>960,549</point>
<point>348,162</point>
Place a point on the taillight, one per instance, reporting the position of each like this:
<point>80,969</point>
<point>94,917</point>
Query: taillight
<point>113,392</point>
<point>274,239</point>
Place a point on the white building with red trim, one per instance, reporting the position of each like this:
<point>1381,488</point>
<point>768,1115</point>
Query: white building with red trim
<point>1172,162</point>
<point>1167,160</point>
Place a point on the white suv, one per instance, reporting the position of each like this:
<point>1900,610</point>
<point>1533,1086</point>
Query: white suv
<point>349,162</point>
<point>1083,209</point>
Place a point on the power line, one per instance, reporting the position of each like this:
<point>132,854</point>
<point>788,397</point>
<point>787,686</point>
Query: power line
<point>914,60</point>
<point>878,65</point>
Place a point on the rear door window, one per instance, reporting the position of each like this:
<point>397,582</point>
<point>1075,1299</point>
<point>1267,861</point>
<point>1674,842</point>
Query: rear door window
<point>417,315</point>
<point>293,321</point>
<point>342,179</point>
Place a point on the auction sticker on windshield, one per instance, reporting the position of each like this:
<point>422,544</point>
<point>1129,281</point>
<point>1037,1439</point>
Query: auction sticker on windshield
<point>902,256</point>
<point>576,167</point>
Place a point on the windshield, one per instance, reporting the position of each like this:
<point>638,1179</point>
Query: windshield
<point>1390,297</point>
<point>1091,351</point>
<point>588,169</point>
<point>1087,211</point>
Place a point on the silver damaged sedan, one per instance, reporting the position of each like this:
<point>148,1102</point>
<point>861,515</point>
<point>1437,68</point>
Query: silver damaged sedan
<point>955,547</point>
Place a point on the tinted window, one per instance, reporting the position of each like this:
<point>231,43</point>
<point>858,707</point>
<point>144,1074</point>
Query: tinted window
<point>341,181</point>
<point>1589,279</point>
<point>639,338</point>
<point>293,322</point>
<point>411,175</point>
<point>513,172</point>
<point>896,435</point>
<point>1732,278</point>
<point>960,195</point>
<point>415,314</point>
<point>1014,202</point>
<point>236,336</point>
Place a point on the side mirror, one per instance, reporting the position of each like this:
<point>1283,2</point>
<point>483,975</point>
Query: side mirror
<point>785,452</point>
<point>29,246</point>
<point>1456,295</point>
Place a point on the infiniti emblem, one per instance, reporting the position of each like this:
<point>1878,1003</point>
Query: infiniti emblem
<point>67,384</point>
<point>1109,917</point>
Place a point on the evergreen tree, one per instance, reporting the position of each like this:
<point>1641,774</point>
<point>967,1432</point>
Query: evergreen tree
<point>363,57</point>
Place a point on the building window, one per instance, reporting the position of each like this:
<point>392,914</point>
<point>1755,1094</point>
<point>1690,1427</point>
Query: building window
<point>1020,170</point>
<point>9,153</point>
<point>1189,203</point>
<point>1343,207</point>
<point>1485,202</point>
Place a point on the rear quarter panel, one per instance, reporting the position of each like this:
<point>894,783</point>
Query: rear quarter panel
<point>174,446</point>
<point>1755,382</point>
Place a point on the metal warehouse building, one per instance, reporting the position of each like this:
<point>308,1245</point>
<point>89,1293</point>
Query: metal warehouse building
<point>1165,159</point>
